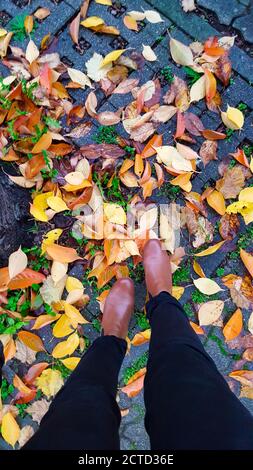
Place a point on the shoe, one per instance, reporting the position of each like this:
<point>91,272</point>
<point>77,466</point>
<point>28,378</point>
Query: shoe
<point>157,268</point>
<point>118,309</point>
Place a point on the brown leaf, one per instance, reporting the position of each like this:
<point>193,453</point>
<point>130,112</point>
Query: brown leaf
<point>38,409</point>
<point>80,131</point>
<point>231,183</point>
<point>74,28</point>
<point>25,435</point>
<point>229,226</point>
<point>208,151</point>
<point>108,118</point>
<point>91,104</point>
<point>223,69</point>
<point>178,92</point>
<point>142,133</point>
<point>193,124</point>
<point>198,226</point>
<point>24,354</point>
<point>209,134</point>
<point>94,151</point>
<point>42,13</point>
<point>126,86</point>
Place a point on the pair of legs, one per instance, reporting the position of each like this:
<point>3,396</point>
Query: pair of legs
<point>188,403</point>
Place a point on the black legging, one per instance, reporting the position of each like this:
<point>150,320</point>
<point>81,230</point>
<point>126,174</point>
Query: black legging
<point>188,403</point>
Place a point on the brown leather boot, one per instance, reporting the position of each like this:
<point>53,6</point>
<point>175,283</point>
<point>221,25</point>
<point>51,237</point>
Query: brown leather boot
<point>118,309</point>
<point>157,268</point>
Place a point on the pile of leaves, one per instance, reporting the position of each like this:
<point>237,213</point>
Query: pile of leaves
<point>94,204</point>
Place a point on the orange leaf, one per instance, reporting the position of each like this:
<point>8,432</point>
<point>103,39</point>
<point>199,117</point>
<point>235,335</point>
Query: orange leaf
<point>180,125</point>
<point>138,165</point>
<point>34,166</point>
<point>210,85</point>
<point>241,157</point>
<point>198,330</point>
<point>28,24</point>
<point>26,279</point>
<point>62,253</point>
<point>44,320</point>
<point>209,134</point>
<point>155,141</point>
<point>217,202</point>
<point>247,260</point>
<point>130,23</point>
<point>46,78</point>
<point>31,340</point>
<point>60,149</point>
<point>17,382</point>
<point>234,326</point>
<point>43,143</point>
<point>135,386</point>
<point>9,350</point>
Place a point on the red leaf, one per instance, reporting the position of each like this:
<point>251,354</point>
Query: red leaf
<point>180,125</point>
<point>34,372</point>
<point>46,78</point>
<point>193,124</point>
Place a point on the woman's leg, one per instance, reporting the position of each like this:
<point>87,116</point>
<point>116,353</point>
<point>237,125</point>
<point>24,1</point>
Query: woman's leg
<point>188,403</point>
<point>84,414</point>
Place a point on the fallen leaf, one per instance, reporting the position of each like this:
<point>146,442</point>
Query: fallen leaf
<point>71,362</point>
<point>231,183</point>
<point>92,21</point>
<point>74,28</point>
<point>233,118</point>
<point>148,53</point>
<point>180,53</point>
<point>42,13</point>
<point>229,226</point>
<point>43,143</point>
<point>111,57</point>
<point>247,260</point>
<point>31,340</point>
<point>10,429</point>
<point>133,388</point>
<point>32,52</point>
<point>130,23</point>
<point>188,5</point>
<point>234,326</point>
<point>153,16</point>
<point>141,338</point>
<point>114,213</point>
<point>210,312</point>
<point>25,435</point>
<point>207,286</point>
<point>49,382</point>
<point>198,89</point>
<point>79,77</point>
<point>211,250</point>
<point>250,323</point>
<point>17,263</point>
<point>217,202</point>
<point>38,409</point>
<point>126,86</point>
<point>66,347</point>
<point>208,151</point>
<point>62,253</point>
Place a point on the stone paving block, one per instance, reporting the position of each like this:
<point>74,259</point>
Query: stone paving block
<point>225,15</point>
<point>245,26</point>
<point>132,432</point>
<point>222,362</point>
<point>248,126</point>
<point>239,91</point>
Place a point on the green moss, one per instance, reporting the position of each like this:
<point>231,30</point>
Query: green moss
<point>142,321</point>
<point>6,389</point>
<point>242,106</point>
<point>246,239</point>
<point>167,73</point>
<point>17,26</point>
<point>199,298</point>
<point>189,310</point>
<point>96,324</point>
<point>220,272</point>
<point>136,272</point>
<point>171,192</point>
<point>136,365</point>
<point>223,351</point>
<point>229,133</point>
<point>106,135</point>
<point>22,409</point>
<point>182,274</point>
<point>248,150</point>
<point>58,365</point>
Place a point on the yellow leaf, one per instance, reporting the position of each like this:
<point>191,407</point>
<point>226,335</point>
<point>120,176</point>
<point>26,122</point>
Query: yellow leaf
<point>44,320</point>
<point>207,286</point>
<point>212,249</point>
<point>234,326</point>
<point>180,53</point>
<point>79,77</point>
<point>198,270</point>
<point>10,429</point>
<point>40,201</point>
<point>198,89</point>
<point>130,23</point>
<point>49,382</point>
<point>177,292</point>
<point>74,315</point>
<point>217,202</point>
<point>111,57</point>
<point>210,312</point>
<point>246,194</point>
<point>92,21</point>
<point>104,2</point>
<point>115,213</point>
<point>49,238</point>
<point>141,338</point>
<point>3,32</point>
<point>43,143</point>
<point>247,260</point>
<point>73,283</point>
<point>235,116</point>
<point>183,181</point>
<point>28,24</point>
<point>66,347</point>
<point>57,204</point>
<point>38,214</point>
<point>63,327</point>
<point>71,362</point>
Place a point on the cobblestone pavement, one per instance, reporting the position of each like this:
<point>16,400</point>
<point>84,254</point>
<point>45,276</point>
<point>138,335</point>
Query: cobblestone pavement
<point>233,15</point>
